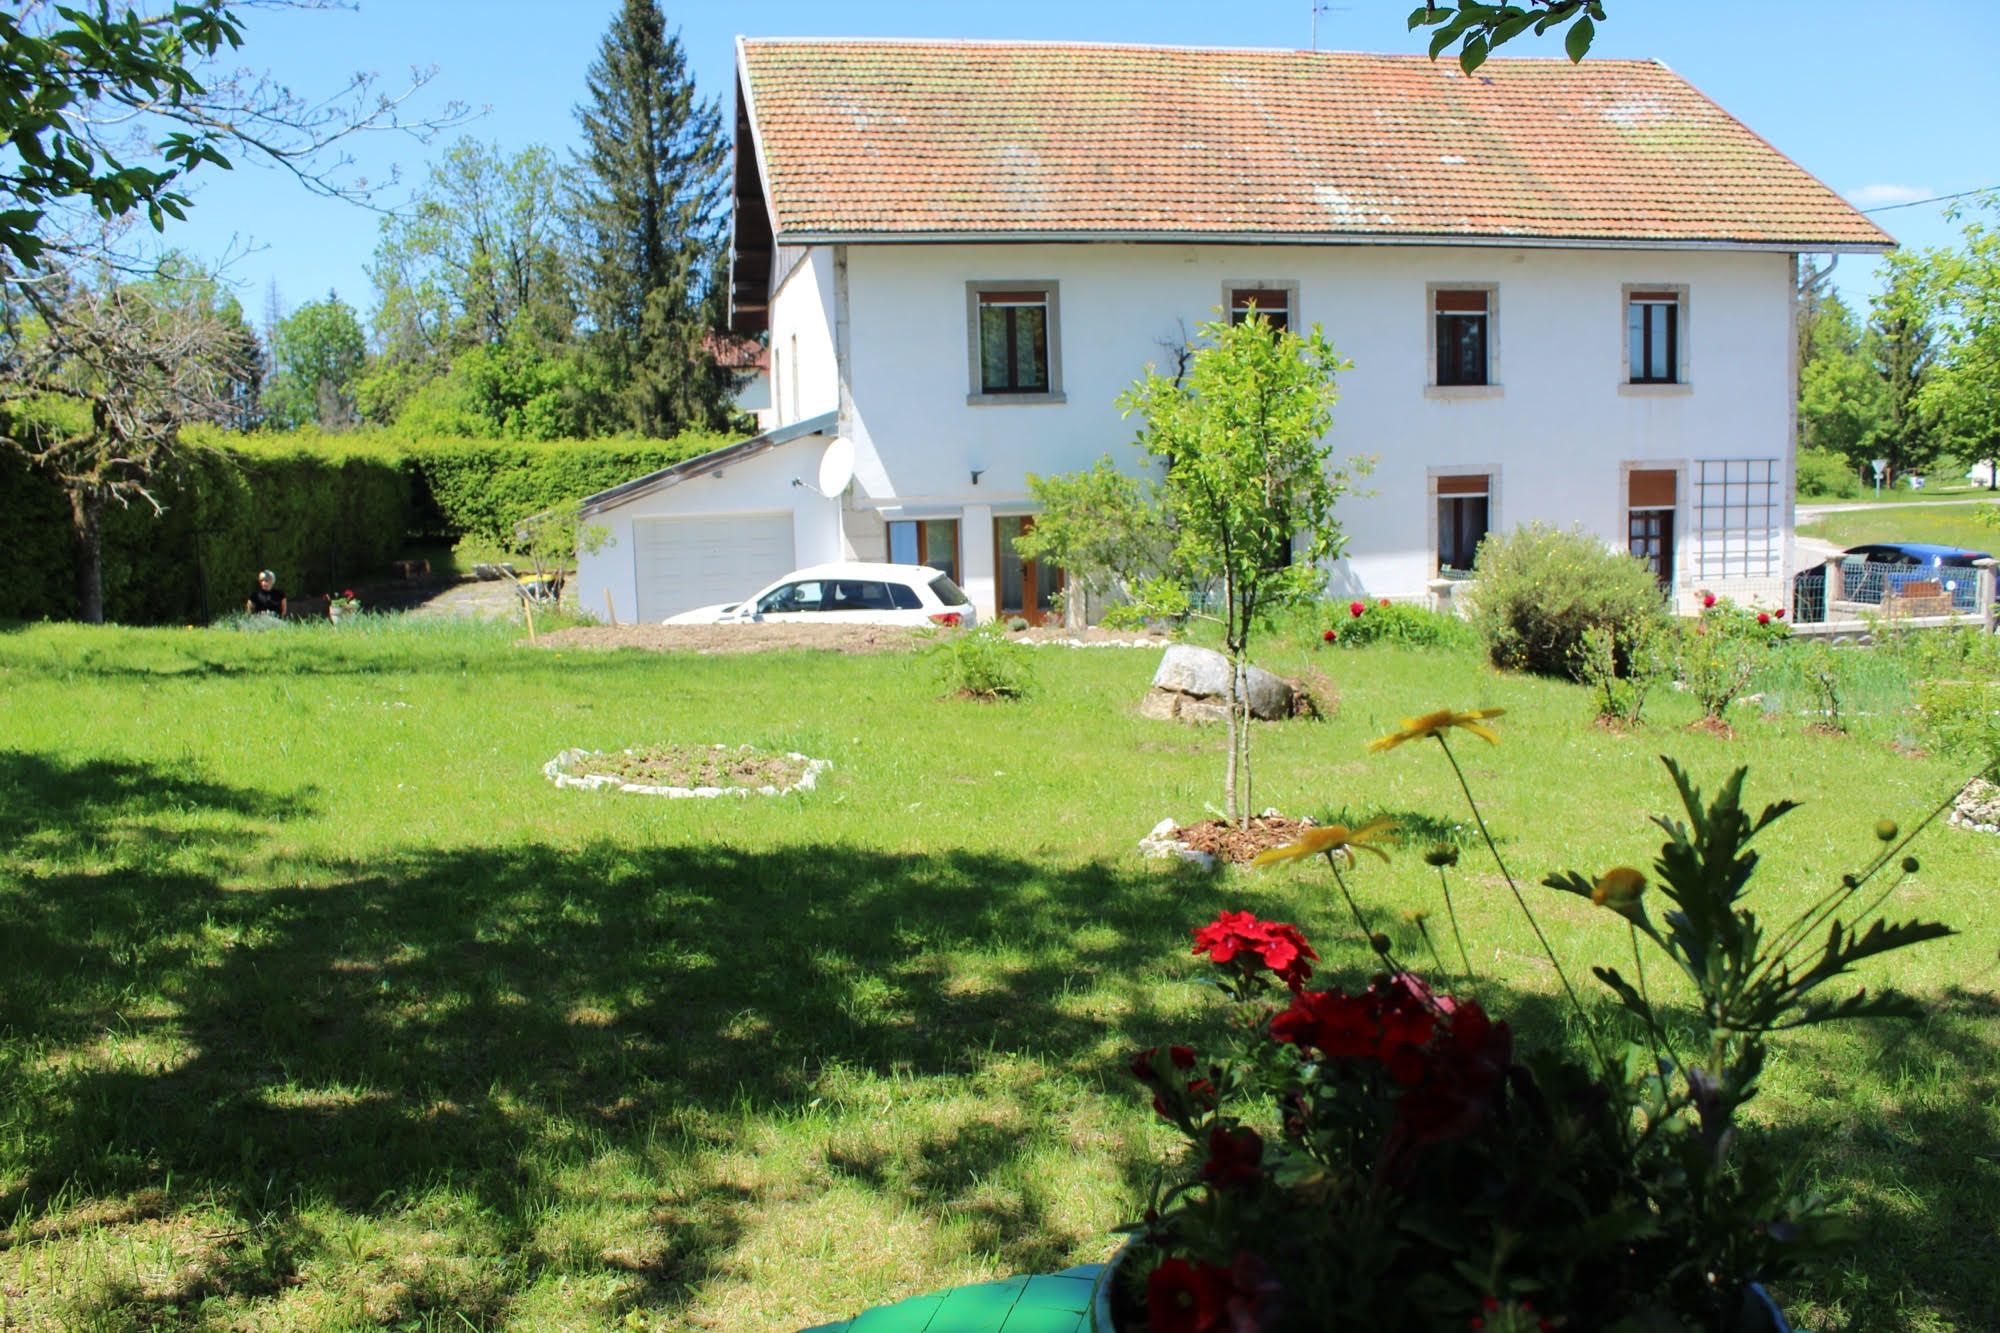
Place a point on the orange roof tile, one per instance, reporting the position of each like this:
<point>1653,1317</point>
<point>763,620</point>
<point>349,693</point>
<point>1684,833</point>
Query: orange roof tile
<point>875,140</point>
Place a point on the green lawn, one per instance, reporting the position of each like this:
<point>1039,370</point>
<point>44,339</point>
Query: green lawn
<point>323,1009</point>
<point>1898,495</point>
<point>1949,525</point>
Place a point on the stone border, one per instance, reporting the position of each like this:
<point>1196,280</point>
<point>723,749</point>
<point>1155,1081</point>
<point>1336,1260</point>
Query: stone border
<point>1161,845</point>
<point>553,770</point>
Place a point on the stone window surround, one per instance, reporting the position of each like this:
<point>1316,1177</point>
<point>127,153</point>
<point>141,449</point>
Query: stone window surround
<point>975,395</point>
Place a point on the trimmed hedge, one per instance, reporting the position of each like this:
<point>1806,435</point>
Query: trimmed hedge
<point>324,511</point>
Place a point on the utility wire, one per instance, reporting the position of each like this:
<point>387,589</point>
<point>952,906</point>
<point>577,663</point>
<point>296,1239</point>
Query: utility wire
<point>1934,199</point>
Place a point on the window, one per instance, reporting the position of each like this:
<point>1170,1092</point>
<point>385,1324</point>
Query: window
<point>1273,301</point>
<point>1653,337</point>
<point>948,592</point>
<point>1736,518</point>
<point>1464,336</point>
<point>1650,499</point>
<point>929,541</point>
<point>905,597</point>
<point>1464,518</point>
<point>1027,588</point>
<point>794,597</point>
<point>1013,340</point>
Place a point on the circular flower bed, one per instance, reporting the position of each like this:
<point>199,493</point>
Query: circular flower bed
<point>687,770</point>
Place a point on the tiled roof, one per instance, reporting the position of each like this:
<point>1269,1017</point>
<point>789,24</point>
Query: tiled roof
<point>868,139</point>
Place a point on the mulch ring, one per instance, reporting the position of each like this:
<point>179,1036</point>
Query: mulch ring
<point>693,766</point>
<point>1226,842</point>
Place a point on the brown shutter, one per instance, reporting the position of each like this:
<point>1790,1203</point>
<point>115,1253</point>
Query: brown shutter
<point>1013,298</point>
<point>1653,488</point>
<point>1461,303</point>
<point>1668,298</point>
<point>1475,485</point>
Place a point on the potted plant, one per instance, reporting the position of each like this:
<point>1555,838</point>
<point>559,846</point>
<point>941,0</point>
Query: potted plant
<point>1392,1157</point>
<point>342,604</point>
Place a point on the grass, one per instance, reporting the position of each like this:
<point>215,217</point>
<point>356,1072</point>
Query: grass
<point>1897,495</point>
<point>323,1009</point>
<point>1954,525</point>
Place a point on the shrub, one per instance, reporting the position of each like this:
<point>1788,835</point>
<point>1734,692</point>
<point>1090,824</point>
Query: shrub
<point>1622,672</point>
<point>1356,624</point>
<point>981,663</point>
<point>1540,588</point>
<point>1719,651</point>
<point>1826,475</point>
<point>1955,680</point>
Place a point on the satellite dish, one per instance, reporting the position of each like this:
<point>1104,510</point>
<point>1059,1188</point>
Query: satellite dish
<point>836,466</point>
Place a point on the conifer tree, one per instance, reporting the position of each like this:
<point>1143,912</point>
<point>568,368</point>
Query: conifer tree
<point>649,225</point>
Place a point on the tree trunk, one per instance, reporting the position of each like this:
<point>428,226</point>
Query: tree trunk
<point>86,513</point>
<point>1239,679</point>
<point>1229,777</point>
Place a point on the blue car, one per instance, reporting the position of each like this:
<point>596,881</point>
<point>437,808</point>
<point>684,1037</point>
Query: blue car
<point>1883,569</point>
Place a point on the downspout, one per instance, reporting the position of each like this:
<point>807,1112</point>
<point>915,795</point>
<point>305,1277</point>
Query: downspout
<point>1790,553</point>
<point>843,421</point>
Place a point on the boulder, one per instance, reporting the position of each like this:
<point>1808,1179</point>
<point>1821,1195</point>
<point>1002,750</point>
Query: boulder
<point>1192,684</point>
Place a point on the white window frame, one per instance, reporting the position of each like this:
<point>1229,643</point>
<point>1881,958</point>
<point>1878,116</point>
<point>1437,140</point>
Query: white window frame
<point>1682,383</point>
<point>1490,471</point>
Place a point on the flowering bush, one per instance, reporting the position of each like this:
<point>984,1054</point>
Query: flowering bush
<point>342,603</point>
<point>1390,1157</point>
<point>1718,651</point>
<point>1399,623</point>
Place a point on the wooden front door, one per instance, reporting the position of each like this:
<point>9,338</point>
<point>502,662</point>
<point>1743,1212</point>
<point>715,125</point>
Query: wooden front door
<point>1651,537</point>
<point>1027,588</point>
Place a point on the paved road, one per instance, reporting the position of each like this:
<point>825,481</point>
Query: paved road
<point>1814,511</point>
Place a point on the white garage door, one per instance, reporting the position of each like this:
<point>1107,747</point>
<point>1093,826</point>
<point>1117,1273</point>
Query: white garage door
<point>682,563</point>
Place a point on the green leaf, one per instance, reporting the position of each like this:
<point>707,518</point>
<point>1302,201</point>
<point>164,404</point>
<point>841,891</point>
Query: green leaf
<point>1474,54</point>
<point>1579,38</point>
<point>1425,15</point>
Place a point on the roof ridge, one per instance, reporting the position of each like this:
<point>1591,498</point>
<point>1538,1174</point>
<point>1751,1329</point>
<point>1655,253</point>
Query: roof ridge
<point>1053,43</point>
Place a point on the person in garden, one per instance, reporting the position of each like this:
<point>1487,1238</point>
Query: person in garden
<point>268,598</point>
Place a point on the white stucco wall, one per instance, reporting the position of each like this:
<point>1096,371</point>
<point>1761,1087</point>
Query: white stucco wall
<point>805,374</point>
<point>1558,430</point>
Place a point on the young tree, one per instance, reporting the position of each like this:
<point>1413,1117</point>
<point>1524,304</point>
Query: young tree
<point>1249,491</point>
<point>648,218</point>
<point>95,398</point>
<point>1963,395</point>
<point>1842,401</point>
<point>1902,345</point>
<point>1106,530</point>
<point>317,351</point>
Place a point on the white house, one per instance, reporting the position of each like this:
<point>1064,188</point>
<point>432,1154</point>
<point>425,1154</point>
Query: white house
<point>1567,293</point>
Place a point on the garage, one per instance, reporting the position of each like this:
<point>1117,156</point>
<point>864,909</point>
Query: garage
<point>684,562</point>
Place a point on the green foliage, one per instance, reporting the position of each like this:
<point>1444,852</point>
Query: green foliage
<point>1824,668</point>
<point>61,85</point>
<point>1955,683</point>
<point>648,217</point>
<point>1963,396</point>
<point>1477,29</point>
<point>1249,489</point>
<point>1357,624</point>
<point>1622,671</point>
<point>1540,588</point>
<point>1842,400</point>
<point>1718,652</point>
<point>1903,347</point>
<point>1105,529</point>
<point>981,663</point>
<point>1826,475</point>
<point>316,352</point>
<point>517,389</point>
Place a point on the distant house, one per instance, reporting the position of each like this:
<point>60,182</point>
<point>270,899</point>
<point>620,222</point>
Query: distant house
<point>750,361</point>
<point>1567,292</point>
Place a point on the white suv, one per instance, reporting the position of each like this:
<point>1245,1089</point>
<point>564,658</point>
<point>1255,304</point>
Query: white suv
<point>850,593</point>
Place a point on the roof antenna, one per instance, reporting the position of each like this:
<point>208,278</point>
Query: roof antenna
<point>1321,7</point>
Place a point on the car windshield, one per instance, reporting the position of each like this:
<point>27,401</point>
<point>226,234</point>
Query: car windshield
<point>948,592</point>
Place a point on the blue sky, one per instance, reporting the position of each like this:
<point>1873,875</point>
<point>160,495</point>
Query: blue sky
<point>1883,110</point>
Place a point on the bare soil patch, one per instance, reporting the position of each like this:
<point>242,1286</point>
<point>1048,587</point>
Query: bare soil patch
<point>713,639</point>
<point>1713,726</point>
<point>1226,842</point>
<point>692,766</point>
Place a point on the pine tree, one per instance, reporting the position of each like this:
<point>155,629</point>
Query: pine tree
<point>1902,343</point>
<point>649,226</point>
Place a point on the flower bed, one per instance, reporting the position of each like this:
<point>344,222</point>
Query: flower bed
<point>687,771</point>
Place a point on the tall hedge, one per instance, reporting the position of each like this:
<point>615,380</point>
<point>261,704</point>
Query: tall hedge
<point>324,511</point>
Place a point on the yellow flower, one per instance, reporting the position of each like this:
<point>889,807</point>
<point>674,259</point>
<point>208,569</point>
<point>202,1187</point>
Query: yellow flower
<point>1618,889</point>
<point>1436,724</point>
<point>1336,838</point>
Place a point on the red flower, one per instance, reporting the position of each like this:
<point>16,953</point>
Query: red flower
<point>1383,602</point>
<point>1187,1298</point>
<point>1356,608</point>
<point>1763,618</point>
<point>1707,600</point>
<point>1779,613</point>
<point>1233,1157</point>
<point>349,594</point>
<point>1277,945</point>
<point>1330,635</point>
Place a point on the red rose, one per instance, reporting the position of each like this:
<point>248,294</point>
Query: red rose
<point>1355,608</point>
<point>1779,613</point>
<point>1763,619</point>
<point>1383,602</point>
<point>1329,636</point>
<point>348,594</point>
<point>1187,1298</point>
<point>1233,1157</point>
<point>1707,600</point>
